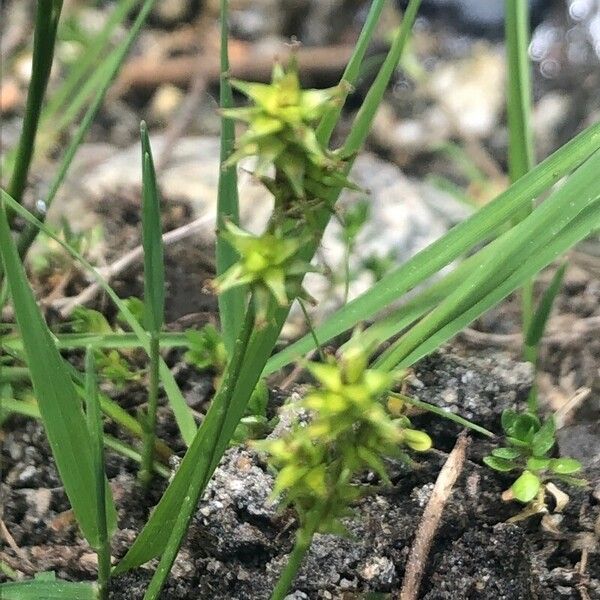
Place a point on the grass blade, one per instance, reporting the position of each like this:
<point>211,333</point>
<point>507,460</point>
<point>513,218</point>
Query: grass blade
<point>103,500</point>
<point>29,234</point>
<point>182,412</point>
<point>366,114</point>
<point>47,587</point>
<point>449,247</point>
<point>154,268</point>
<point>59,403</point>
<point>154,295</point>
<point>180,499</point>
<point>519,103</point>
<point>527,243</point>
<point>352,70</point>
<point>44,38</point>
<point>579,229</point>
<point>542,313</point>
<point>29,409</point>
<point>231,302</point>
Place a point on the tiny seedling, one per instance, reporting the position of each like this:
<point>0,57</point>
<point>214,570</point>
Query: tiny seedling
<point>528,450</point>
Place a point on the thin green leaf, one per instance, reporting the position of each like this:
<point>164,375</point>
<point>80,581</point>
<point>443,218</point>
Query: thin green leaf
<point>445,414</point>
<point>520,133</point>
<point>64,341</point>
<point>231,302</point>
<point>542,313</point>
<point>182,412</point>
<point>166,527</point>
<point>352,70</point>
<point>479,227</point>
<point>118,56</point>
<point>44,37</point>
<point>104,501</point>
<point>45,588</point>
<point>366,114</point>
<point>58,402</point>
<point>29,409</point>
<point>525,242</point>
<point>154,268</point>
<point>519,105</point>
<point>581,228</point>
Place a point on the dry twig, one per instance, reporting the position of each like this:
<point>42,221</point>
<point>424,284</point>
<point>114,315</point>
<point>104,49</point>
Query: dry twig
<point>256,64</point>
<point>430,520</point>
<point>67,305</point>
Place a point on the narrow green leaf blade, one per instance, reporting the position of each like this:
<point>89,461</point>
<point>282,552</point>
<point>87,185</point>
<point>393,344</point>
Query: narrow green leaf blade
<point>182,412</point>
<point>154,267</point>
<point>58,402</point>
<point>479,227</point>
<point>542,313</point>
<point>48,590</point>
<point>107,511</point>
<point>231,302</point>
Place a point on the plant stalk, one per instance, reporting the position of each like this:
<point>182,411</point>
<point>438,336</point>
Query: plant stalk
<point>44,38</point>
<point>304,537</point>
<point>146,469</point>
<point>520,133</point>
<point>198,484</point>
<point>27,237</point>
<point>94,422</point>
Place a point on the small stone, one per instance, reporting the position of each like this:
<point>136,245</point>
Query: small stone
<point>39,501</point>
<point>379,568</point>
<point>11,96</point>
<point>27,475</point>
<point>89,562</point>
<point>165,102</point>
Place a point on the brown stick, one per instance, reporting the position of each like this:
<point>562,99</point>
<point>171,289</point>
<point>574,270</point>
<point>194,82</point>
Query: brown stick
<point>256,65</point>
<point>67,305</point>
<point>430,520</point>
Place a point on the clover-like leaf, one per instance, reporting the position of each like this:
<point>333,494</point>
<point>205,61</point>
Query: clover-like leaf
<point>499,464</point>
<point>506,453</point>
<point>526,487</point>
<point>535,463</point>
<point>565,466</point>
<point>544,438</point>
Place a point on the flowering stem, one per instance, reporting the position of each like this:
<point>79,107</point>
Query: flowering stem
<point>304,537</point>
<point>149,421</point>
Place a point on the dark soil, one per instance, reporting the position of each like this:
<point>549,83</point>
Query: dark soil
<point>238,540</point>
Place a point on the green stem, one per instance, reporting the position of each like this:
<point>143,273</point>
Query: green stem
<point>46,23</point>
<point>95,428</point>
<point>446,414</point>
<point>146,470</point>
<point>231,302</point>
<point>519,103</point>
<point>304,537</point>
<point>197,484</point>
<point>29,234</point>
<point>104,567</point>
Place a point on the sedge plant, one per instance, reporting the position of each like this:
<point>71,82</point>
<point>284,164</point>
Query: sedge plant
<point>288,130</point>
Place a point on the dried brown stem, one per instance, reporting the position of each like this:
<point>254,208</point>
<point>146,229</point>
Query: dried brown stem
<point>430,520</point>
<point>67,305</point>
